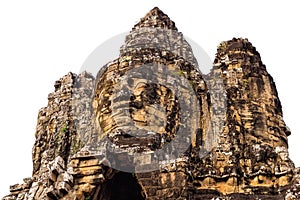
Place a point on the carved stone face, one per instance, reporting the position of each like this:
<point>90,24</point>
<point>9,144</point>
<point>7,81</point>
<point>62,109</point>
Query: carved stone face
<point>155,108</point>
<point>137,107</point>
<point>144,106</point>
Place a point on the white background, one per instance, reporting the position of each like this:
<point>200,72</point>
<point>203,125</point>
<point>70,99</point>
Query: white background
<point>40,41</point>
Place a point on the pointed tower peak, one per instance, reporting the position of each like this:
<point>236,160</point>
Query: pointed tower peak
<point>156,18</point>
<point>236,44</point>
<point>155,10</point>
<point>237,49</point>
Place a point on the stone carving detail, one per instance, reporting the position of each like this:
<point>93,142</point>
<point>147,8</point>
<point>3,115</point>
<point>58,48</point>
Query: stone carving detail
<point>137,104</point>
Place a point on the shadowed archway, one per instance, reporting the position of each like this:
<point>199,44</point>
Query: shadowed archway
<point>123,186</point>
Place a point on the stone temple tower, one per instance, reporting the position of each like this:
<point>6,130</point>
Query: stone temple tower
<point>150,125</point>
<point>152,98</point>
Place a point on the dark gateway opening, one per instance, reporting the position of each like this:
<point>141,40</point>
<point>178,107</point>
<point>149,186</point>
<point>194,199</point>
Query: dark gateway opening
<point>123,186</point>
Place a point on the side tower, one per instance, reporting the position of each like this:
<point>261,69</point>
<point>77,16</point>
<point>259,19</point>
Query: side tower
<point>252,151</point>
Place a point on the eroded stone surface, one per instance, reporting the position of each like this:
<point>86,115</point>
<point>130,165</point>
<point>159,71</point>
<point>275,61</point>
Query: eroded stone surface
<point>249,159</point>
<point>251,153</point>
